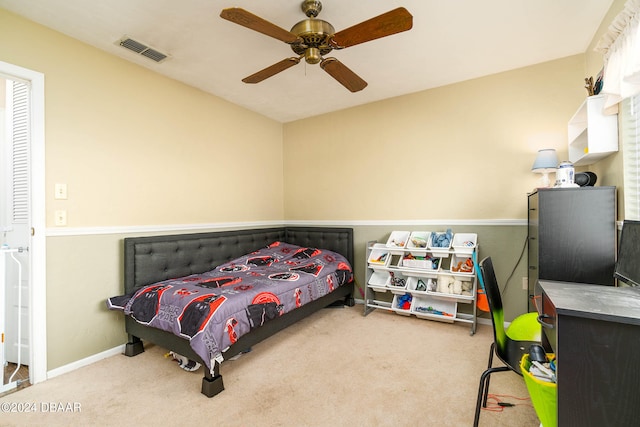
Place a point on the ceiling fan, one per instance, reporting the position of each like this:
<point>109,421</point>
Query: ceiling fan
<point>313,38</point>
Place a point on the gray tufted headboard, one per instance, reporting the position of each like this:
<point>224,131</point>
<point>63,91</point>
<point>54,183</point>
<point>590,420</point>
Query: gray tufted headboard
<point>152,259</point>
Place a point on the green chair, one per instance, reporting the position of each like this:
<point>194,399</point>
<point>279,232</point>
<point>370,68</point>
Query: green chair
<point>508,344</point>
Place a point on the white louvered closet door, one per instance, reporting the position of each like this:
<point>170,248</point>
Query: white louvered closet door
<point>630,133</point>
<point>16,222</point>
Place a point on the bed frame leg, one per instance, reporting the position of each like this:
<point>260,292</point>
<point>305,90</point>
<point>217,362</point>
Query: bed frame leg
<point>212,384</point>
<point>134,346</point>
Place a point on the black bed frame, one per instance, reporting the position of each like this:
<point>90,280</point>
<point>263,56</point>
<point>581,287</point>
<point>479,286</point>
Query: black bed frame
<point>152,259</point>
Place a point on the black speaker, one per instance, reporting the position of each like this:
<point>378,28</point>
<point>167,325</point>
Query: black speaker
<point>585,179</point>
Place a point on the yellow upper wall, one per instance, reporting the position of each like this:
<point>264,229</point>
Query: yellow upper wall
<point>462,151</point>
<point>456,152</point>
<point>136,148</point>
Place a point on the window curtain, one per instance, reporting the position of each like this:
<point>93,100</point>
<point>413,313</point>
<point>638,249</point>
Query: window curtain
<point>630,134</point>
<point>621,49</point>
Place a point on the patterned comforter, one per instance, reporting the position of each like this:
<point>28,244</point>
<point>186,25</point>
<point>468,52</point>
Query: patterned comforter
<point>213,309</point>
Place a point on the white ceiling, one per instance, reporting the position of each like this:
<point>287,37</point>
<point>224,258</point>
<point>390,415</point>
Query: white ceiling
<point>451,41</point>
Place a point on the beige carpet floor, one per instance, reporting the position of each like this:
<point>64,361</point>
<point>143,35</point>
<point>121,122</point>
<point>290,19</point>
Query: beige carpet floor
<point>335,368</point>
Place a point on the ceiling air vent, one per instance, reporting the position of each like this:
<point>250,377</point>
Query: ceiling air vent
<point>142,49</point>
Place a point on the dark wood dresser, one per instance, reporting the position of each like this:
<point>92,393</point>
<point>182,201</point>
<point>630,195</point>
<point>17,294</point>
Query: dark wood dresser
<point>572,235</point>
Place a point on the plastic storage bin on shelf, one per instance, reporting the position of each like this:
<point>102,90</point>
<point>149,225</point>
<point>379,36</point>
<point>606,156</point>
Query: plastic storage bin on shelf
<point>440,244</point>
<point>421,284</point>
<point>418,240</point>
<point>455,287</point>
<point>422,261</point>
<point>428,307</point>
<point>398,240</point>
<point>379,257</point>
<point>397,283</point>
<point>464,243</point>
<point>379,280</point>
<point>462,265</point>
<point>402,304</point>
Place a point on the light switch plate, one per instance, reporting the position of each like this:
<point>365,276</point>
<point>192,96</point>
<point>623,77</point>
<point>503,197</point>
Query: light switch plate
<point>61,191</point>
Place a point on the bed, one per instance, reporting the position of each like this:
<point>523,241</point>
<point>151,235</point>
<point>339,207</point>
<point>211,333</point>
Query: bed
<point>152,262</point>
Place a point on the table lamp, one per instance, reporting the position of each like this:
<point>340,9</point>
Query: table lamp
<point>546,162</point>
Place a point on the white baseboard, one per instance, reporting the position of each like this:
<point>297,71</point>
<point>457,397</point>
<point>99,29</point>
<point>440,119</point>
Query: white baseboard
<point>85,362</point>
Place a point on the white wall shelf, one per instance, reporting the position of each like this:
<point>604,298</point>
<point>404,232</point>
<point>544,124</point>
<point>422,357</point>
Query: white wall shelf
<point>593,135</point>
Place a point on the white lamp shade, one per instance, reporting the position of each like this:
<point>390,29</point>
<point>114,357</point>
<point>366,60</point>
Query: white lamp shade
<point>546,161</point>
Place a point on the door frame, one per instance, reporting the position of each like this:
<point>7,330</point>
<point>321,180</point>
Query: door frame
<point>37,246</point>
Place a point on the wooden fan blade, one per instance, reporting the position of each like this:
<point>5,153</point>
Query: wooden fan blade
<point>392,22</point>
<point>342,74</point>
<point>272,70</point>
<point>247,19</point>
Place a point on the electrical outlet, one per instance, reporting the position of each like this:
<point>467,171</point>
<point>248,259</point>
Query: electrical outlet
<point>61,218</point>
<point>525,283</point>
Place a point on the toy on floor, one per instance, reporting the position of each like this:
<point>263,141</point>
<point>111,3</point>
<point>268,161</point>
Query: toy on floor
<point>184,362</point>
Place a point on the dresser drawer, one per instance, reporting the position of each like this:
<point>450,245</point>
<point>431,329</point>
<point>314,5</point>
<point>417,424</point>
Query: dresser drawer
<point>548,319</point>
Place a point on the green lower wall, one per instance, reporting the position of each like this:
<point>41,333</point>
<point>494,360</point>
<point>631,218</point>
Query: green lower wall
<point>84,270</point>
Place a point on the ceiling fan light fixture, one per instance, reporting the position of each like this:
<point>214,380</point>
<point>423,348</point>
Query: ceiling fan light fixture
<point>312,55</point>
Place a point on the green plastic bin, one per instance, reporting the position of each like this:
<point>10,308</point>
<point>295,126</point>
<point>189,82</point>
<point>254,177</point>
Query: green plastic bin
<point>544,395</point>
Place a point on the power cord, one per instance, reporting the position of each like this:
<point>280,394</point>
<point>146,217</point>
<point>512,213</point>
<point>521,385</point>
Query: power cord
<point>498,404</point>
<point>526,240</point>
